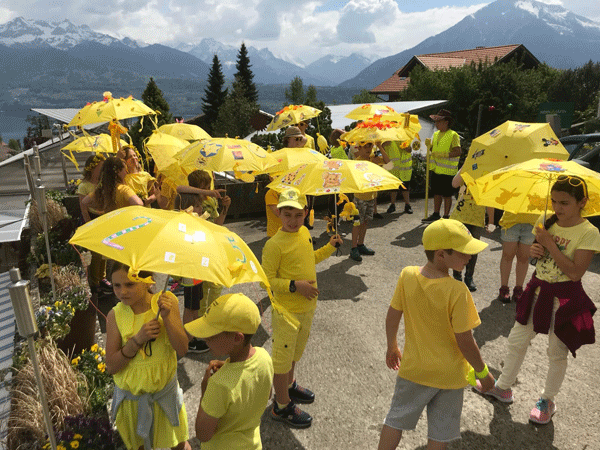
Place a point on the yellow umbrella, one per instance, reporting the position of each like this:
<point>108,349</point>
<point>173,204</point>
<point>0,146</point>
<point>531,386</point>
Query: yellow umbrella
<point>172,242</point>
<point>291,115</point>
<point>525,187</point>
<point>163,148</point>
<point>175,174</point>
<point>334,176</point>
<point>290,157</point>
<point>377,130</point>
<point>110,109</point>
<point>512,143</point>
<point>101,143</point>
<point>225,154</point>
<point>368,110</point>
<point>184,131</point>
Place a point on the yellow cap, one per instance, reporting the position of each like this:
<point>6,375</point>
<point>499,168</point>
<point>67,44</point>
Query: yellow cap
<point>293,198</point>
<point>451,234</point>
<point>232,312</point>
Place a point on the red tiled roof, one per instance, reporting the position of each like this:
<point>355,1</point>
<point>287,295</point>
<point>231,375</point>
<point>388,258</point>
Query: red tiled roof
<point>392,84</point>
<point>442,61</point>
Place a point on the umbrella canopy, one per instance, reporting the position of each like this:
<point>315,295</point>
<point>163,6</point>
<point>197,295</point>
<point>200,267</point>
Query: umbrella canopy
<point>368,110</point>
<point>512,143</point>
<point>163,148</point>
<point>225,154</point>
<point>525,187</point>
<point>290,157</point>
<point>172,242</point>
<point>184,131</point>
<point>335,176</point>
<point>376,129</point>
<point>110,109</point>
<point>291,115</point>
<point>100,143</point>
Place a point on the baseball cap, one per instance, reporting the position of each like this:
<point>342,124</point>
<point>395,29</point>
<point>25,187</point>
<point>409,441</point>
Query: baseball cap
<point>451,234</point>
<point>232,312</point>
<point>291,197</point>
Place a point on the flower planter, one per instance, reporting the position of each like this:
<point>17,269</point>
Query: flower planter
<point>83,332</point>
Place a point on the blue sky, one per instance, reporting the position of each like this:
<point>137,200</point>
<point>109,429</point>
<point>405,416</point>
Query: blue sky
<point>299,31</point>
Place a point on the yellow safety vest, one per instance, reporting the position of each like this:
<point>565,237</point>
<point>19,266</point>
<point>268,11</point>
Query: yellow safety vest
<point>439,162</point>
<point>402,161</point>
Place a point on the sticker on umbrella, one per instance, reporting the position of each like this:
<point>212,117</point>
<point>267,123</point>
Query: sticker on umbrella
<point>332,165</point>
<point>237,154</point>
<point>495,133</point>
<point>108,240</point>
<point>521,126</point>
<point>210,149</point>
<point>548,142</point>
<point>373,180</point>
<point>332,180</point>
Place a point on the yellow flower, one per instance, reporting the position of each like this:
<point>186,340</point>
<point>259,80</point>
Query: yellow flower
<point>78,436</point>
<point>101,367</point>
<point>94,348</point>
<point>74,444</point>
<point>75,361</point>
<point>97,357</point>
<point>103,352</point>
<point>47,445</point>
<point>61,447</point>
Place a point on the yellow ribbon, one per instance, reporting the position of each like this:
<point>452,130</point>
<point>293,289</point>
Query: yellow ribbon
<point>133,276</point>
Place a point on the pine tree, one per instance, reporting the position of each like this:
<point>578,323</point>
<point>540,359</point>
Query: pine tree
<point>236,112</point>
<point>214,95</point>
<point>294,94</point>
<point>142,129</point>
<point>245,75</point>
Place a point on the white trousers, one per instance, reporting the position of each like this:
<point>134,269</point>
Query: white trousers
<point>518,342</point>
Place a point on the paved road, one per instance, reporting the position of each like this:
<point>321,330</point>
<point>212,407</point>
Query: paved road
<point>344,362</point>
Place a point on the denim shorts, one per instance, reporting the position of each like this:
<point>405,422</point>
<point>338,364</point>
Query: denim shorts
<point>520,232</point>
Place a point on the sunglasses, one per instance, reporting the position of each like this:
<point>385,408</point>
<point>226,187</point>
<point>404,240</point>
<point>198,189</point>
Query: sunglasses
<point>298,139</point>
<point>304,124</point>
<point>573,181</point>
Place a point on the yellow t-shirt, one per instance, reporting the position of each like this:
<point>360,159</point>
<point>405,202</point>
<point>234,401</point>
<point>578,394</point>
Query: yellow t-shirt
<point>290,256</point>
<point>509,219</point>
<point>584,236</point>
<point>85,188</point>
<point>310,142</point>
<point>433,310</point>
<point>273,221</point>
<point>237,395</point>
<point>122,195</point>
<point>139,183</point>
<point>467,211</point>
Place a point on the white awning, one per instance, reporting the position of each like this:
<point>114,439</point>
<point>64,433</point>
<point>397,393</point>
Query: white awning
<point>13,218</point>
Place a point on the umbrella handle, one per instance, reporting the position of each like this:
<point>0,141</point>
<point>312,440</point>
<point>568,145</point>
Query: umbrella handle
<point>164,289</point>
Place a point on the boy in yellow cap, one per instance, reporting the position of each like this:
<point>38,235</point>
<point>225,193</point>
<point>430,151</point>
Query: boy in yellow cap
<point>235,392</point>
<point>289,260</point>
<point>439,348</point>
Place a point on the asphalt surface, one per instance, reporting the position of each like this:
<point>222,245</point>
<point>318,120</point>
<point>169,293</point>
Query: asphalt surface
<point>344,363</point>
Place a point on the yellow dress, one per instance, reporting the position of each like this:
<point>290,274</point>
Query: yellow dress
<point>147,374</point>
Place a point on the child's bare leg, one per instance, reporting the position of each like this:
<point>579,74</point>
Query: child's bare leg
<point>185,445</point>
<point>447,205</point>
<point>280,384</point>
<point>436,445</point>
<point>362,231</point>
<point>393,196</point>
<point>509,250</point>
<point>406,197</point>
<point>389,439</point>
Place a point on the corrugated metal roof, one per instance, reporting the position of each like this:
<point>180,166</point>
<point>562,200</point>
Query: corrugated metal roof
<point>64,115</point>
<point>13,217</point>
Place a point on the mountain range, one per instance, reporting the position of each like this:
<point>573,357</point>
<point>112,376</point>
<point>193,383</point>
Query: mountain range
<point>76,41</point>
<point>553,34</point>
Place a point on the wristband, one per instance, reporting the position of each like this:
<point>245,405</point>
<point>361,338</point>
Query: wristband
<point>484,373</point>
<point>136,342</point>
<point>128,357</point>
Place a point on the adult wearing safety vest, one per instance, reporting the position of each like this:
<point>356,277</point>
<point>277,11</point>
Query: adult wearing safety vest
<point>445,152</point>
<point>401,156</point>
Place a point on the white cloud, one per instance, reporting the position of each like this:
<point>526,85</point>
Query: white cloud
<point>284,26</point>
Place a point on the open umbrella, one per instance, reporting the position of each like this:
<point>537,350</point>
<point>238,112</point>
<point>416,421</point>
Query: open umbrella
<point>225,154</point>
<point>525,187</point>
<point>184,131</point>
<point>287,158</point>
<point>368,110</point>
<point>376,129</point>
<point>334,176</point>
<point>163,148</point>
<point>171,242</point>
<point>100,143</point>
<point>111,110</point>
<point>512,143</point>
<point>291,115</point>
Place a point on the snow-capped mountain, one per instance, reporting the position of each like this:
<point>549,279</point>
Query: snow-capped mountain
<point>553,34</point>
<point>63,35</point>
<point>334,67</point>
